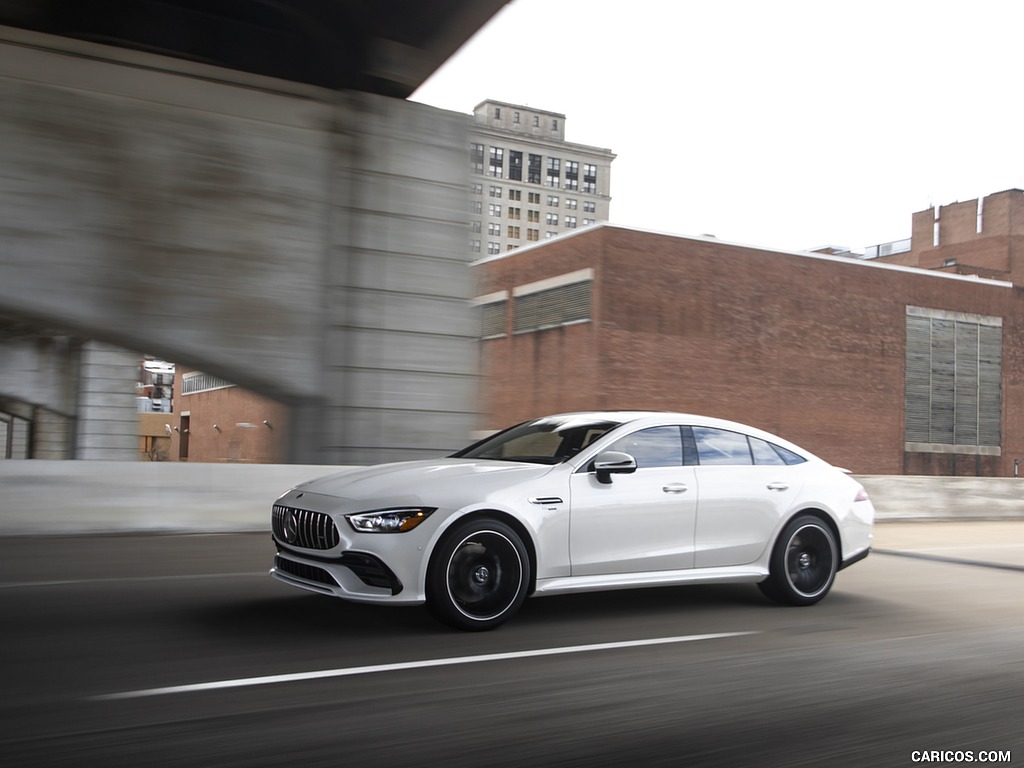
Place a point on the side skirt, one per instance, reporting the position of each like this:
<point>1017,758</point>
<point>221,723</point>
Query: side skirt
<point>567,584</point>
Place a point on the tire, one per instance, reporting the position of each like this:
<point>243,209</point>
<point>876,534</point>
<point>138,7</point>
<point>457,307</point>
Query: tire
<point>478,576</point>
<point>803,564</point>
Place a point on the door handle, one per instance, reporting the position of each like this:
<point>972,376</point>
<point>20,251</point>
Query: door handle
<point>778,487</point>
<point>675,488</point>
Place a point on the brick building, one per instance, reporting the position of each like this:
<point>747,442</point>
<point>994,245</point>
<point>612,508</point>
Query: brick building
<point>983,237</point>
<point>216,421</point>
<point>876,367</point>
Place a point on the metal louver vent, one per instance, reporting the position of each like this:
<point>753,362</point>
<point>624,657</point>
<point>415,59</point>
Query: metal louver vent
<point>953,393</point>
<point>553,307</point>
<point>492,319</point>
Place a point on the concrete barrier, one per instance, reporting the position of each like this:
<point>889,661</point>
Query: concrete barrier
<point>912,497</point>
<point>82,497</point>
<point>90,497</point>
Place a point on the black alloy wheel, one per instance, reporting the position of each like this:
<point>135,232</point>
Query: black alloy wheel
<point>803,564</point>
<point>478,576</point>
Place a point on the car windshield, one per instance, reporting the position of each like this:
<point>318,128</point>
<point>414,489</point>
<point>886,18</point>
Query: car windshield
<point>544,441</point>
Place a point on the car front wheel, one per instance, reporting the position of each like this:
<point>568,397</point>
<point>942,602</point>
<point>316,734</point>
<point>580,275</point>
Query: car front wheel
<point>478,576</point>
<point>803,564</point>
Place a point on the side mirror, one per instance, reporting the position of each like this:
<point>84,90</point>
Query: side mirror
<point>612,463</point>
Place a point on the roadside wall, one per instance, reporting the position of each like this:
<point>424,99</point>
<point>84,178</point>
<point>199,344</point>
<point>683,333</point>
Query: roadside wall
<point>86,497</point>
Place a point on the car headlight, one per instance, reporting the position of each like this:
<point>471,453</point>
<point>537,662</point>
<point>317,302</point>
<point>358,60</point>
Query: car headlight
<point>389,520</point>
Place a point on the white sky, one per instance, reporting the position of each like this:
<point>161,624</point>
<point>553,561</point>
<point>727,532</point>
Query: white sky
<point>786,124</point>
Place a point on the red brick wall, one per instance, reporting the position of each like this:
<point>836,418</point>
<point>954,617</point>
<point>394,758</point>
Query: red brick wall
<point>241,435</point>
<point>809,348</point>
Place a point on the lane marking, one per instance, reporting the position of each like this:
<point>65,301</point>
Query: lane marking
<point>952,560</point>
<point>127,579</point>
<point>405,665</point>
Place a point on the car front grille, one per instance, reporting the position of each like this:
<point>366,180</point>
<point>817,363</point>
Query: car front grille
<point>303,528</point>
<point>303,571</point>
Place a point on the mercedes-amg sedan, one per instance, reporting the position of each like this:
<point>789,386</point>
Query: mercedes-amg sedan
<point>572,503</point>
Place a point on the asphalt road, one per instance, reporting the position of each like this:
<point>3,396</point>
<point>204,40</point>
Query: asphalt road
<point>918,648</point>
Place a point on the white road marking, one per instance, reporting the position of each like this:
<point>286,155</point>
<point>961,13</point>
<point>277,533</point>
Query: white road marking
<point>74,582</point>
<point>425,663</point>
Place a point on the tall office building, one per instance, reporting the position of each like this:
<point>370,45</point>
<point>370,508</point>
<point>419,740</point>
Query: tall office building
<point>527,182</point>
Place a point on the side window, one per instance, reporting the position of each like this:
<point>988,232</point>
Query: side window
<point>654,447</point>
<point>770,453</point>
<point>720,446</point>
<point>787,455</point>
<point>764,452</point>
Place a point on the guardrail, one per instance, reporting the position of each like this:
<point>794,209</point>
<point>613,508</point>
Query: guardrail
<point>90,497</point>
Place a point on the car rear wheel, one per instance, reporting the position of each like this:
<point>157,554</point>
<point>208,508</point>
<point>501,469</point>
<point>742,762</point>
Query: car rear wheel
<point>478,576</point>
<point>803,564</point>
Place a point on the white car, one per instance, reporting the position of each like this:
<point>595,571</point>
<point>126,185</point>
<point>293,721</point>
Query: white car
<point>572,503</point>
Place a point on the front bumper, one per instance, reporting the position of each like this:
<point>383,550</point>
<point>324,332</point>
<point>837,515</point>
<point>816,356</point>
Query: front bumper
<point>356,576</point>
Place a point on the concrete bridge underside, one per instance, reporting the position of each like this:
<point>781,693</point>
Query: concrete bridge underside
<point>306,243</point>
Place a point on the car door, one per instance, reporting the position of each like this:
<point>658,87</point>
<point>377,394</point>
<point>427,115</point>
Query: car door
<point>745,486</point>
<point>642,521</point>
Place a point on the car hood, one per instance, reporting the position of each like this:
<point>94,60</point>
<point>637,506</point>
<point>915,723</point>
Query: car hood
<point>435,482</point>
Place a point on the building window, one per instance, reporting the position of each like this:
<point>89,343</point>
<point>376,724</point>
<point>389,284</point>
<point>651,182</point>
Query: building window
<point>474,246</point>
<point>515,194</point>
<point>533,234</point>
<point>514,213</point>
<point>550,303</point>
<point>476,207</point>
<point>515,165</point>
<point>590,178</point>
<point>476,158</point>
<point>572,174</point>
<point>536,121</point>
<point>953,396</point>
<point>475,225</point>
<point>515,118</point>
<point>587,222</point>
<point>534,197</point>
<point>477,189</point>
<point>570,222</point>
<point>493,210</point>
<point>493,248</point>
<point>549,234</point>
<point>533,170</point>
<point>532,215</point>
<point>513,232</point>
<point>554,123</point>
<point>571,203</point>
<point>493,228</point>
<point>497,162</point>
<point>495,191</point>
<point>554,171</point>
<point>589,206</point>
<point>552,220</point>
<point>497,113</point>
<point>553,201</point>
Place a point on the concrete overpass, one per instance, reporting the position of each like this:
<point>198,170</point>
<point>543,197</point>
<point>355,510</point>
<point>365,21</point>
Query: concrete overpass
<point>246,192</point>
